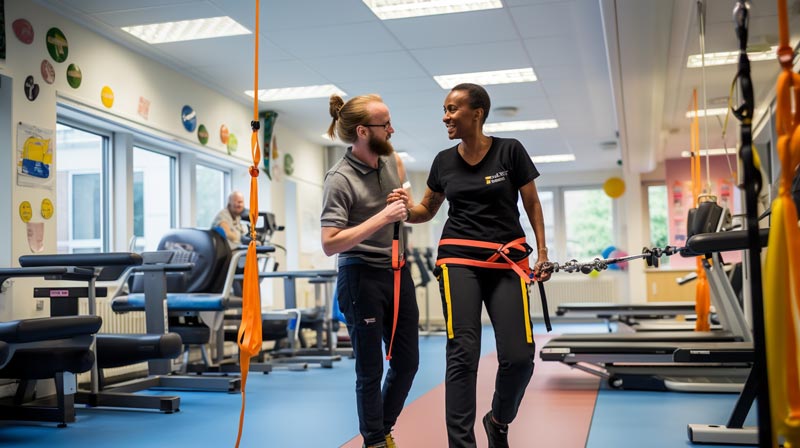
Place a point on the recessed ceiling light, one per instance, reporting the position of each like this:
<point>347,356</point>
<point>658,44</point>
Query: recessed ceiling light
<point>711,152</point>
<point>554,158</point>
<point>510,126</point>
<point>159,33</point>
<point>730,57</point>
<point>487,78</point>
<point>707,112</point>
<point>297,93</point>
<point>400,9</point>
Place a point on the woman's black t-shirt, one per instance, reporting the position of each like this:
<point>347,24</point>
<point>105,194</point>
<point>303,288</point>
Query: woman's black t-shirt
<point>483,197</point>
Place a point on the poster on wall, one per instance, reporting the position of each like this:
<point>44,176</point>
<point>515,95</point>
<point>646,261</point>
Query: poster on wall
<point>2,29</point>
<point>35,148</point>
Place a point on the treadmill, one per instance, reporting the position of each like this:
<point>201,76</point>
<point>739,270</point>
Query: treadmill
<point>655,361</point>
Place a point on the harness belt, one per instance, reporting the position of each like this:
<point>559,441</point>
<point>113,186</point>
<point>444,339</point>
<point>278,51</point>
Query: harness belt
<point>521,267</point>
<point>397,264</point>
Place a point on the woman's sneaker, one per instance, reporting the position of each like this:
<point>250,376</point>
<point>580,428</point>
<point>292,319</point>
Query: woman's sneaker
<point>497,434</point>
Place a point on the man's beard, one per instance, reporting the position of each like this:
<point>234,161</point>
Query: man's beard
<point>381,147</point>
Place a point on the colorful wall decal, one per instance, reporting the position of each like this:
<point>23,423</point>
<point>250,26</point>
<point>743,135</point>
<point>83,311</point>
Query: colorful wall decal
<point>74,76</point>
<point>224,134</point>
<point>107,96</point>
<point>189,118</point>
<point>34,156</point>
<point>202,134</point>
<point>47,208</point>
<point>57,45</point>
<point>288,164</point>
<point>144,107</point>
<point>233,143</point>
<point>25,211</point>
<point>23,30</point>
<point>31,88</point>
<point>35,231</point>
<point>48,72</point>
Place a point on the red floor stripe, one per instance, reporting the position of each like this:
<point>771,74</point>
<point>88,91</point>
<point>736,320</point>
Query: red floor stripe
<point>556,411</point>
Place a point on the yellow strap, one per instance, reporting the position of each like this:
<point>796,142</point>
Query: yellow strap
<point>249,338</point>
<point>446,281</point>
<point>527,314</point>
<point>702,305</point>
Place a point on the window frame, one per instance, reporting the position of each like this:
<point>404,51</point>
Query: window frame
<point>106,179</point>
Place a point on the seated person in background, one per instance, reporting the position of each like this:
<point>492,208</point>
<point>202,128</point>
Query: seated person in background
<point>229,219</point>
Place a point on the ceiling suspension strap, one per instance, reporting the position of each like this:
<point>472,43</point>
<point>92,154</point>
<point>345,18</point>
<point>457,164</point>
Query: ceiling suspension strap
<point>702,306</point>
<point>250,337</point>
<point>782,279</point>
<point>751,184</point>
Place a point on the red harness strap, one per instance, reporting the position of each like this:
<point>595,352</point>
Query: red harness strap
<point>521,267</point>
<point>397,265</point>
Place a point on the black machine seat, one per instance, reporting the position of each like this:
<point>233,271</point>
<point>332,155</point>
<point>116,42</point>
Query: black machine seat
<point>40,348</point>
<point>179,302</point>
<point>117,350</point>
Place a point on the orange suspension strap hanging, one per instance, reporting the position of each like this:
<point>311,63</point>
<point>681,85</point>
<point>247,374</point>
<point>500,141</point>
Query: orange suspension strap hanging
<point>249,338</point>
<point>782,277</point>
<point>702,305</point>
<point>398,262</point>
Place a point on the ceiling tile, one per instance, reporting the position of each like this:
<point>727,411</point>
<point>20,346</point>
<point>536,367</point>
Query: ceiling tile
<point>159,14</point>
<point>472,58</point>
<point>234,51</point>
<point>359,38</point>
<point>388,65</point>
<point>549,51</point>
<point>549,19</point>
<point>100,6</point>
<point>453,29</point>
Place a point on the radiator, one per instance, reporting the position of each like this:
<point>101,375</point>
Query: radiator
<point>559,290</point>
<point>133,323</point>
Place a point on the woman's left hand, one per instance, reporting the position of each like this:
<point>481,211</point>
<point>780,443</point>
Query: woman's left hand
<point>540,274</point>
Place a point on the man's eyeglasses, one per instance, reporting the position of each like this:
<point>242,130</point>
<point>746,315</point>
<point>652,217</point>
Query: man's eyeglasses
<point>385,126</point>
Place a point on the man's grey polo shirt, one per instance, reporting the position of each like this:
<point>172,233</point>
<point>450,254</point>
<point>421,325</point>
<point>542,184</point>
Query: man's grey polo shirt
<point>353,193</point>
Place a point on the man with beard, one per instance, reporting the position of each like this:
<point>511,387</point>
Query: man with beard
<point>376,296</point>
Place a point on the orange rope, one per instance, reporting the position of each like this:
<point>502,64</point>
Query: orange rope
<point>249,338</point>
<point>782,281</point>
<point>702,305</point>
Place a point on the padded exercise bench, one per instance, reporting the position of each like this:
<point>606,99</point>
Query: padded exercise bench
<point>45,348</point>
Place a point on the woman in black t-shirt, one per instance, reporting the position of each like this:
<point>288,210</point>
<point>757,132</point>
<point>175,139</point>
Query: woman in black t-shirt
<point>483,258</point>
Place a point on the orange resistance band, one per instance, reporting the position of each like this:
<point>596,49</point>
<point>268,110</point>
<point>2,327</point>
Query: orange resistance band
<point>781,284</point>
<point>702,305</point>
<point>397,265</point>
<point>249,338</point>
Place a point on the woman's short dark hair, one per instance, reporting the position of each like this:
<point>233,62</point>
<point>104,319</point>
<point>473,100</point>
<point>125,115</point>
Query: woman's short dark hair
<point>478,97</point>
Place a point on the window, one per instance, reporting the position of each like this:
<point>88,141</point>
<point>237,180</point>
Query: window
<point>657,212</point>
<point>546,198</point>
<point>589,219</point>
<point>82,206</point>
<point>210,193</point>
<point>153,197</point>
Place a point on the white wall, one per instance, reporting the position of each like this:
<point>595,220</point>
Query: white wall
<point>131,76</point>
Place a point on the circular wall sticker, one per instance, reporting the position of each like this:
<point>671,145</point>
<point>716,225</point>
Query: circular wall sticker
<point>223,134</point>
<point>23,30</point>
<point>25,211</point>
<point>48,72</point>
<point>233,143</point>
<point>107,96</point>
<point>74,76</point>
<point>47,208</point>
<point>31,88</point>
<point>189,118</point>
<point>202,134</point>
<point>57,45</point>
<point>288,164</point>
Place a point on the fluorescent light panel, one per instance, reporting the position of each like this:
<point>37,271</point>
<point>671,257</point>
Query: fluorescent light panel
<point>487,78</point>
<point>730,57</point>
<point>297,93</point>
<point>710,152</point>
<point>400,9</point>
<point>554,158</point>
<point>511,126</point>
<point>159,33</point>
<point>707,112</point>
